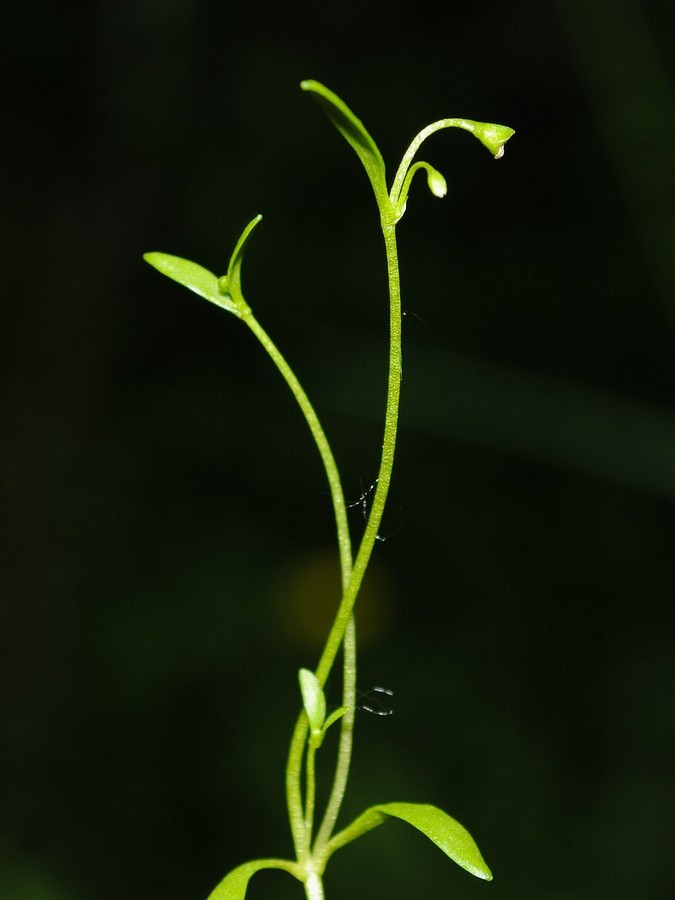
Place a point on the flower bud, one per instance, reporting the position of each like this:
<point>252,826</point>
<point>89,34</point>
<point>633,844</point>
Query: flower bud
<point>493,136</point>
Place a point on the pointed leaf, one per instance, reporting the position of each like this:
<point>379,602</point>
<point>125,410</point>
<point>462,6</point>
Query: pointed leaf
<point>234,885</point>
<point>192,276</point>
<point>313,699</point>
<point>354,132</point>
<point>234,268</point>
<point>452,838</point>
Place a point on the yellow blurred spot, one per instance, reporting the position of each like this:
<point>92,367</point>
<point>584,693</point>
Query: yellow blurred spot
<point>311,594</point>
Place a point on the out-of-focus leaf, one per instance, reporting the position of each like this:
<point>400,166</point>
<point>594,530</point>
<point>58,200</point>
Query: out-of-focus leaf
<point>235,884</point>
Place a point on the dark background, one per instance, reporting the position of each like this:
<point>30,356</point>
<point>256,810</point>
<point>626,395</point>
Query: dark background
<point>167,534</point>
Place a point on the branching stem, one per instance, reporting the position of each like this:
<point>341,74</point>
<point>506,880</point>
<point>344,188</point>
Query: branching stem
<point>299,814</point>
<point>311,852</point>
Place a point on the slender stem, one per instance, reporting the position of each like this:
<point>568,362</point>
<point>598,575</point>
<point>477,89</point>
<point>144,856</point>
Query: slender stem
<point>310,793</point>
<point>318,434</point>
<point>343,629</point>
<point>314,887</point>
<point>299,830</point>
<point>346,739</point>
<point>409,154</point>
<point>293,790</point>
<point>387,460</point>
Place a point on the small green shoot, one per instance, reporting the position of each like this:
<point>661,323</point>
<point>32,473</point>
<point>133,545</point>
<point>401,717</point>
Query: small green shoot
<point>315,844</point>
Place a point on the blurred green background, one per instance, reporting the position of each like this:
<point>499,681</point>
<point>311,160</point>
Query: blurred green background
<point>167,534</point>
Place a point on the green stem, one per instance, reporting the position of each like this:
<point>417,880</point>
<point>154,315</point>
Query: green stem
<point>343,630</point>
<point>314,887</point>
<point>340,632</point>
<point>352,576</point>
<point>387,460</point>
<point>409,155</point>
<point>298,822</point>
<point>293,790</point>
<point>346,738</point>
<point>319,436</point>
<point>310,793</point>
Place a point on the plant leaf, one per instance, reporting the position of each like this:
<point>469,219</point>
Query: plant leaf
<point>234,268</point>
<point>354,132</point>
<point>234,885</point>
<point>451,837</point>
<point>192,276</point>
<point>313,699</point>
<point>334,717</point>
